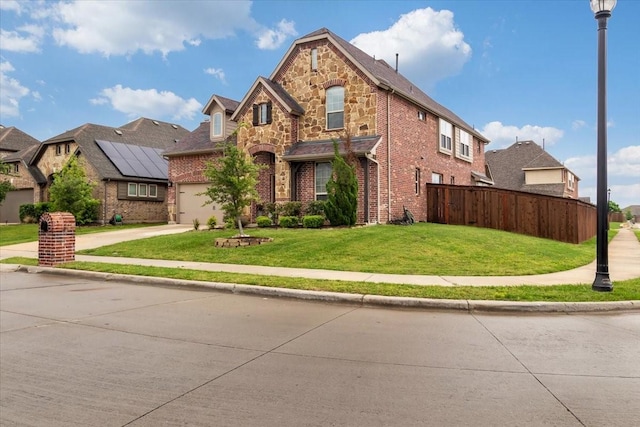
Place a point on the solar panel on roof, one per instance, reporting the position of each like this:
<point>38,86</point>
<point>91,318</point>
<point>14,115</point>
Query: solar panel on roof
<point>134,160</point>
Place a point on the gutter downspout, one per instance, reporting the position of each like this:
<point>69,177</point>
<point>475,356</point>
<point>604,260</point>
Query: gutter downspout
<point>104,217</point>
<point>389,154</point>
<point>371,159</point>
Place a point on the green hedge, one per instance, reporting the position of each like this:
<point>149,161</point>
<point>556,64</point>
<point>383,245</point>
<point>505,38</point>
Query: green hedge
<point>264,221</point>
<point>32,212</point>
<point>288,221</point>
<point>312,221</point>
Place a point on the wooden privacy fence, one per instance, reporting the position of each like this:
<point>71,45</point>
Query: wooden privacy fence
<point>557,218</point>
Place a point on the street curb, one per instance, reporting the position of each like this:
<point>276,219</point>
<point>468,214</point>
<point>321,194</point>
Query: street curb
<point>346,298</point>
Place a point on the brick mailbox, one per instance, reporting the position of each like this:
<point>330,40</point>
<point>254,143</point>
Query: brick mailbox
<point>56,238</point>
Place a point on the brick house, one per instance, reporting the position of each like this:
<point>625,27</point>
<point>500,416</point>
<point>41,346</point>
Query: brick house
<point>324,89</point>
<point>525,166</point>
<point>16,148</point>
<point>188,160</point>
<point>125,163</point>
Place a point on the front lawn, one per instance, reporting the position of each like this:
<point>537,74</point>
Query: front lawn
<point>424,248</point>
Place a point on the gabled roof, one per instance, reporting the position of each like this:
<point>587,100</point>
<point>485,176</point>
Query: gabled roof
<point>142,132</point>
<point>13,139</point>
<point>228,105</point>
<point>196,142</point>
<point>318,150</point>
<point>507,167</point>
<point>276,91</point>
<point>382,75</point>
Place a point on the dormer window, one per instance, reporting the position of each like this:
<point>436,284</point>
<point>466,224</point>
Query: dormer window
<point>335,107</point>
<point>217,124</point>
<point>262,114</point>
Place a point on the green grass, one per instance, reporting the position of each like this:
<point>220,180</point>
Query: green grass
<point>623,291</point>
<point>424,249</point>
<point>22,233</point>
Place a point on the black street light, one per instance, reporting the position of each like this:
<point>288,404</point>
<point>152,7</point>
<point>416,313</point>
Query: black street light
<point>602,282</point>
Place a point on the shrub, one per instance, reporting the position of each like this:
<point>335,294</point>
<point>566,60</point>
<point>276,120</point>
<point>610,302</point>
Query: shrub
<point>312,221</point>
<point>89,212</point>
<point>212,222</point>
<point>315,207</point>
<point>32,212</point>
<point>342,191</point>
<point>264,221</point>
<point>291,209</point>
<point>196,224</point>
<point>288,221</point>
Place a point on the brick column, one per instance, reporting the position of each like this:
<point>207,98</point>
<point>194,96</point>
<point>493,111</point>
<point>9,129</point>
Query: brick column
<point>56,238</point>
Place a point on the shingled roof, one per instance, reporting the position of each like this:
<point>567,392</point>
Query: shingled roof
<point>13,139</point>
<point>197,142</point>
<point>319,150</point>
<point>507,167</point>
<point>383,76</point>
<point>142,132</point>
<point>276,91</point>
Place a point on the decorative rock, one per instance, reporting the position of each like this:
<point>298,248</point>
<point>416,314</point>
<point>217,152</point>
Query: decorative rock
<point>236,242</point>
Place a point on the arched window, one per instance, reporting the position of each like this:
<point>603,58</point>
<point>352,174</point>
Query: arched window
<point>335,107</point>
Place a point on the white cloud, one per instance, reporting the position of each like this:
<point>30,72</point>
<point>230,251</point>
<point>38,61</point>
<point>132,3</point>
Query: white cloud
<point>11,91</point>
<point>429,45</point>
<point>578,124</point>
<point>504,135</point>
<point>625,162</point>
<point>217,73</point>
<point>12,5</point>
<point>117,28</point>
<point>148,103</point>
<point>270,39</point>
<point>27,39</point>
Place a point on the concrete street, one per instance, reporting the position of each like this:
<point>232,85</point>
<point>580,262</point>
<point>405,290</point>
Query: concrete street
<point>78,351</point>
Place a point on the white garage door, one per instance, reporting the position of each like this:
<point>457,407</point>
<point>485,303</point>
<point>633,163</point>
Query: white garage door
<point>190,205</point>
<point>10,207</point>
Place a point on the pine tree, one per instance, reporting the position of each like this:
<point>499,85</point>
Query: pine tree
<point>342,190</point>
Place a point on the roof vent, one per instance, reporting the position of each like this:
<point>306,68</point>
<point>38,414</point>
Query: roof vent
<point>155,122</point>
<point>118,131</point>
<point>174,126</point>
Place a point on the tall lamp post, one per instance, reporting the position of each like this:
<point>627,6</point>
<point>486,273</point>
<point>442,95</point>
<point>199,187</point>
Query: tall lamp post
<point>602,283</point>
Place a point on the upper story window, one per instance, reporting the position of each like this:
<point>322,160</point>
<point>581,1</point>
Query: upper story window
<point>446,135</point>
<point>323,174</point>
<point>262,114</point>
<point>465,145</point>
<point>571,180</point>
<point>16,168</point>
<point>314,59</point>
<point>335,107</point>
<point>58,149</point>
<point>217,124</point>
<point>422,115</point>
<point>67,148</point>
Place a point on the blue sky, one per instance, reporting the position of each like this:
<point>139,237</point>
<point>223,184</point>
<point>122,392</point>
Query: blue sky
<point>519,68</point>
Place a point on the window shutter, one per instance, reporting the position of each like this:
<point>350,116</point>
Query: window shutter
<point>268,113</point>
<point>255,115</point>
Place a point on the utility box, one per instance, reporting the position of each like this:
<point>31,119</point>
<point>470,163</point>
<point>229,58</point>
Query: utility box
<point>56,238</point>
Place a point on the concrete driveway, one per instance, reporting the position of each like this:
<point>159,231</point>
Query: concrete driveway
<point>74,351</point>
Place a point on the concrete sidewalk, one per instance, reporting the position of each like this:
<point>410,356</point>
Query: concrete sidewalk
<point>624,263</point>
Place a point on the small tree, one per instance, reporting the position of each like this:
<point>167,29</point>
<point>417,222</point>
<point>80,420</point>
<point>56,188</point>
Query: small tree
<point>341,206</point>
<point>72,192</point>
<point>614,207</point>
<point>233,182</point>
<point>5,186</point>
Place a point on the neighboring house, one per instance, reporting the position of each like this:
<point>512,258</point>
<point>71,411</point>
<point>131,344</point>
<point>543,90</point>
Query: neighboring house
<point>16,148</point>
<point>125,163</point>
<point>525,166</point>
<point>188,160</point>
<point>325,88</point>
